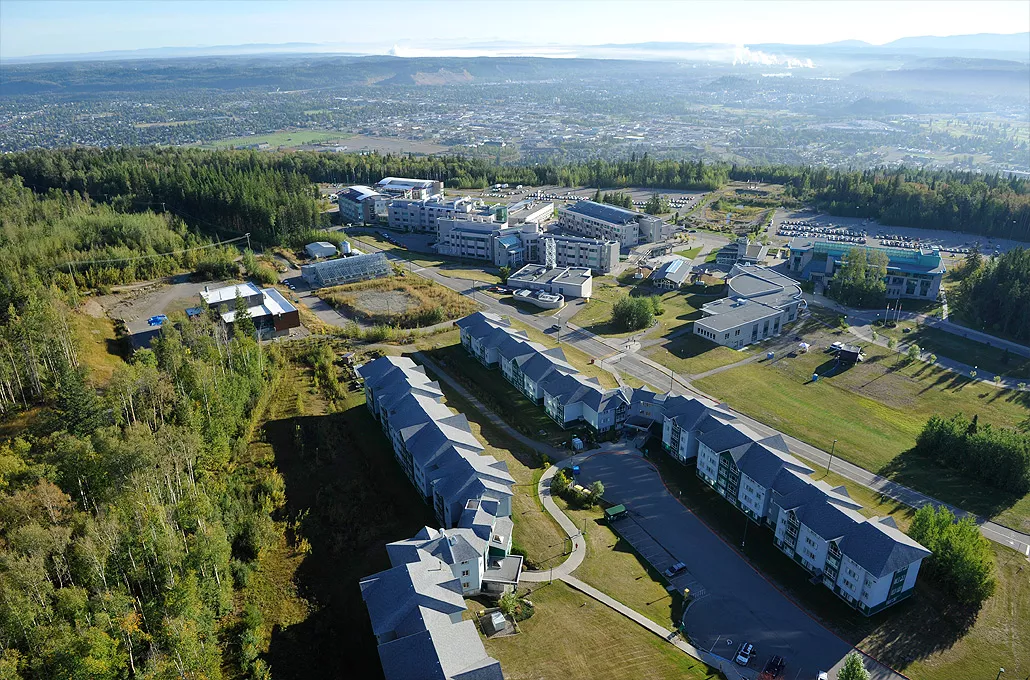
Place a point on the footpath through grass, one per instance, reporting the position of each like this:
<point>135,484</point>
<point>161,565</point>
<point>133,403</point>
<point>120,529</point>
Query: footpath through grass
<point>928,636</point>
<point>989,361</point>
<point>875,410</point>
<point>573,637</point>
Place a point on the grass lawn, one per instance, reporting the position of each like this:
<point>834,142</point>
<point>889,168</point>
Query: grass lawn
<point>573,637</point>
<point>687,252</point>
<point>690,354</point>
<point>96,345</point>
<point>448,266</point>
<point>928,636</point>
<point>681,307</point>
<point>990,361</point>
<point>875,410</point>
<point>614,568</point>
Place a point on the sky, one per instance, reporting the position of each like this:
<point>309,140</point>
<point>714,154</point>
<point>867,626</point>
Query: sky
<point>31,27</point>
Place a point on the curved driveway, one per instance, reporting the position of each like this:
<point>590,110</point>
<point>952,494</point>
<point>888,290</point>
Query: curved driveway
<point>737,603</point>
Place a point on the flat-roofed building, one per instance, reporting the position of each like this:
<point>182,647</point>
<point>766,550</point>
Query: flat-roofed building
<point>530,212</point>
<point>599,255</point>
<point>320,249</point>
<point>567,281</point>
<point>226,295</point>
<point>404,187</point>
<point>358,204</point>
<point>608,222</point>
<point>489,241</point>
<point>421,214</point>
<point>915,274</point>
<point>760,303</point>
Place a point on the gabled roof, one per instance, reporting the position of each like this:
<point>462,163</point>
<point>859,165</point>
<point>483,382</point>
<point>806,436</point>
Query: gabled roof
<point>880,548</point>
<point>451,546</point>
<point>390,595</point>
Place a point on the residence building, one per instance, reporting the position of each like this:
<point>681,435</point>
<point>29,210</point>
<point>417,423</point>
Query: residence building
<point>416,609</point>
<point>607,222</point>
<point>685,419</point>
<point>915,274</point>
<point>759,303</point>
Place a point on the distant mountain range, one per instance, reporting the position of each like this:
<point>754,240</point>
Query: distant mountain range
<point>1014,47</point>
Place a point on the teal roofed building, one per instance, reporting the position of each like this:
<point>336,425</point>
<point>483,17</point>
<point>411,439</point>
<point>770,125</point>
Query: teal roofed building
<point>911,273</point>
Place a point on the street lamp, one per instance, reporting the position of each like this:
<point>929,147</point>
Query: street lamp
<point>830,462</point>
<point>743,540</point>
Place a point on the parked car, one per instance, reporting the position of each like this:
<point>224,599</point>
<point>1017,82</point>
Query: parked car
<point>773,668</point>
<point>823,675</point>
<point>675,569</point>
<point>744,654</point>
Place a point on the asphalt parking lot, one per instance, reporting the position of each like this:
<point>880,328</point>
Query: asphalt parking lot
<point>733,603</point>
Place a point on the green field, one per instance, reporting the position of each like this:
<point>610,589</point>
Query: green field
<point>989,361</point>
<point>687,252</point>
<point>875,410</point>
<point>574,637</point>
<point>286,138</point>
<point>927,637</point>
<point>681,307</point>
<point>615,569</point>
<point>690,354</point>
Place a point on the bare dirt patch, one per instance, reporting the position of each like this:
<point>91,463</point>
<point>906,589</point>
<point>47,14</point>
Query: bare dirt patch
<point>385,301</point>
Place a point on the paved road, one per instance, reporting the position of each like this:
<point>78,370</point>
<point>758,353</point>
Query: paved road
<point>662,378</point>
<point>738,603</point>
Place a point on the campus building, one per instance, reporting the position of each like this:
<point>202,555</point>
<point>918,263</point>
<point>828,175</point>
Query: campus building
<point>566,281</point>
<point>403,187</point>
<point>671,275</point>
<point>341,270</point>
<point>742,251</point>
<point>530,212</point>
<point>488,241</point>
<point>320,249</point>
<point>607,222</point>
<point>598,255</point>
<point>272,315</point>
<point>759,303</point>
<point>421,214</point>
<point>915,274</point>
<point>359,204</point>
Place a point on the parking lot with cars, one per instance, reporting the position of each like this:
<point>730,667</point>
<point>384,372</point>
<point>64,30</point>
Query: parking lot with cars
<point>730,602</point>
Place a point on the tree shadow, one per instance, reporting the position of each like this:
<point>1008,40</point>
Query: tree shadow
<point>951,486</point>
<point>350,497</point>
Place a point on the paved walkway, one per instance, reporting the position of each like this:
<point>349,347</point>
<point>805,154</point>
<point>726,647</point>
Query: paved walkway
<point>579,546</point>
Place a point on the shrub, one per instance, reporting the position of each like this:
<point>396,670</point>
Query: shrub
<point>633,313</point>
<point>962,562</point>
<point>998,456</point>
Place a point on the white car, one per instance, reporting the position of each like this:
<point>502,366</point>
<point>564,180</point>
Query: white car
<point>744,654</point>
<point>822,676</point>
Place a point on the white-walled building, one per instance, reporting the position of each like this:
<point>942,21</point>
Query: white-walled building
<point>759,303</point>
<point>571,282</point>
<point>610,223</point>
<point>404,187</point>
<point>320,249</point>
<point>421,214</point>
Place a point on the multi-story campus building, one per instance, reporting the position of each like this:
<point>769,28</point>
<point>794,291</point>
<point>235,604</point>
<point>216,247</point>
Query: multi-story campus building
<point>913,274</point>
<point>609,223</point>
<point>403,187</point>
<point>489,241</point>
<point>358,204</point>
<point>421,214</point>
<point>759,303</point>
<point>598,255</point>
<point>571,282</point>
<point>741,251</point>
<point>416,606</point>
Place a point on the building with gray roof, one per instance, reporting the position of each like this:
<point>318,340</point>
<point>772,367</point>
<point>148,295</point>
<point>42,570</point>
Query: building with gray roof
<point>759,303</point>
<point>416,613</point>
<point>574,282</point>
<point>341,270</point>
<point>742,251</point>
<point>671,275</point>
<point>358,204</point>
<point>868,562</point>
<point>911,273</point>
<point>611,223</point>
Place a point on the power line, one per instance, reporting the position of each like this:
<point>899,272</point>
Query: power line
<point>145,257</point>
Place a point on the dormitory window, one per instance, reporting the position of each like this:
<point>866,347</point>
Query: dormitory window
<point>465,573</point>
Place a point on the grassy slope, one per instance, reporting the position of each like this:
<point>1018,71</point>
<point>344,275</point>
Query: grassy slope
<point>690,354</point>
<point>990,361</point>
<point>573,637</point>
<point>875,410</point>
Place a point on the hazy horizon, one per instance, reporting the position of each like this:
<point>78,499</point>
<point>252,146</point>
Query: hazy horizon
<point>531,28</point>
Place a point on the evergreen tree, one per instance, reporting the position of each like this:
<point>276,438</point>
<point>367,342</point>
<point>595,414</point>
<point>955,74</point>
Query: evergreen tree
<point>243,323</point>
<point>853,668</point>
<point>82,412</point>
